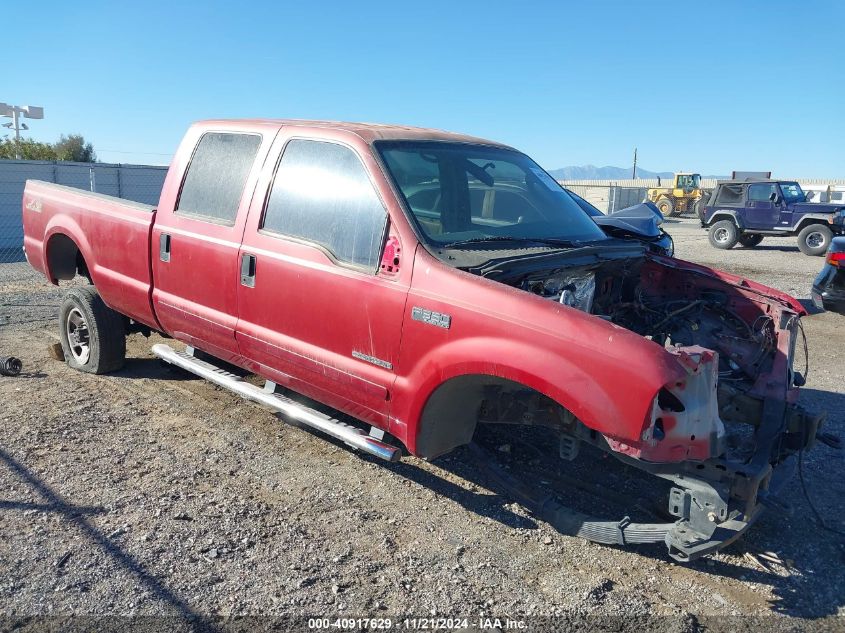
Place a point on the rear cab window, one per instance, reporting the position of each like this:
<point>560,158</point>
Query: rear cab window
<point>322,194</point>
<point>215,179</point>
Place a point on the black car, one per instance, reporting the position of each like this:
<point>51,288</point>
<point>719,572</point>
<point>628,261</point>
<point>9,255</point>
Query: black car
<point>829,287</point>
<point>640,222</point>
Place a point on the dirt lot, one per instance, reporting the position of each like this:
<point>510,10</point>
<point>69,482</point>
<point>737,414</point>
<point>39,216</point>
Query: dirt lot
<point>148,492</point>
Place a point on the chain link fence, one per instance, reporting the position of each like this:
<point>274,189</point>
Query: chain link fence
<point>140,183</point>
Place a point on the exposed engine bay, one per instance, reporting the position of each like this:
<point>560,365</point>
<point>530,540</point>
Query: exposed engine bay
<point>682,312</point>
<point>707,317</point>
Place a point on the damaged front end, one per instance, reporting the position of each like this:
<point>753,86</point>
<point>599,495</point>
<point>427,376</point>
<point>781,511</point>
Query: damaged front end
<point>726,434</point>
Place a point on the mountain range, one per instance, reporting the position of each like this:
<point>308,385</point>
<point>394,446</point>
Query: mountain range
<point>591,172</point>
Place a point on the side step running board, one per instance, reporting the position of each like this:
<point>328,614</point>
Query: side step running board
<point>350,435</point>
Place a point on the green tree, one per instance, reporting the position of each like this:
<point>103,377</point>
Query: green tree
<point>27,149</point>
<point>73,147</point>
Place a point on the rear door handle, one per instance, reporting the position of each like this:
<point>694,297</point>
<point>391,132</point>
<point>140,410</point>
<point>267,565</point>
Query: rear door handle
<point>164,247</point>
<point>248,270</point>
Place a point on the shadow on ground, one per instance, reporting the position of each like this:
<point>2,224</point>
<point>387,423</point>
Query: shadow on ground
<point>782,248</point>
<point>77,516</point>
<point>157,369</point>
<point>152,368</point>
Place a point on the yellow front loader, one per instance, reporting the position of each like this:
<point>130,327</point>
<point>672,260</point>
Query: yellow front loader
<point>684,195</point>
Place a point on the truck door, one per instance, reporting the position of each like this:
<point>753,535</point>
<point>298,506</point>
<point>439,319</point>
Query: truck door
<point>197,235</point>
<point>317,312</point>
<point>760,211</point>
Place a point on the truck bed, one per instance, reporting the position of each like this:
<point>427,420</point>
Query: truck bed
<point>68,229</point>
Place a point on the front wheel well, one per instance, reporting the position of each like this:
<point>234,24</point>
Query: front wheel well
<point>65,260</point>
<point>453,410</point>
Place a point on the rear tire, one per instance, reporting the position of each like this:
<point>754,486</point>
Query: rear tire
<point>93,335</point>
<point>750,240</point>
<point>723,234</point>
<point>814,239</point>
<point>665,206</point>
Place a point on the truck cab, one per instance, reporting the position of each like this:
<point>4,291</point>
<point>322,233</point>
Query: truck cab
<point>744,212</point>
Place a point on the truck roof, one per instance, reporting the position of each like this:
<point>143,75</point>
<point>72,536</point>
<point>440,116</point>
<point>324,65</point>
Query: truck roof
<point>369,132</point>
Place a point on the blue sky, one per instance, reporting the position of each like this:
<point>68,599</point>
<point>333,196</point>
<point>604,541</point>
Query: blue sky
<point>753,85</point>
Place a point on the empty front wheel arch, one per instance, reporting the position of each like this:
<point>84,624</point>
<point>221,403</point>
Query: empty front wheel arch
<point>451,414</point>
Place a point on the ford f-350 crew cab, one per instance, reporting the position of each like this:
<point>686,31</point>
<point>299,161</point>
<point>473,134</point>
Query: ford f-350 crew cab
<point>426,283</point>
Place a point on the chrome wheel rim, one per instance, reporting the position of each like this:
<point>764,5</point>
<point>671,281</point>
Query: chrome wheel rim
<point>720,235</point>
<point>815,239</point>
<point>78,337</point>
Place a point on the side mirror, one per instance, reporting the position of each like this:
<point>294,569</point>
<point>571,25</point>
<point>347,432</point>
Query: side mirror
<point>774,197</point>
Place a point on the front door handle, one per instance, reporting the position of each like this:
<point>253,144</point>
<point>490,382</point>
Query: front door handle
<point>164,247</point>
<point>248,270</point>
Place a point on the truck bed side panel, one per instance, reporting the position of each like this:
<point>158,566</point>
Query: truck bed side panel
<point>112,235</point>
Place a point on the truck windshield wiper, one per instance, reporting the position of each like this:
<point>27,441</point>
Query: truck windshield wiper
<point>488,238</point>
<point>557,241</point>
<point>511,238</point>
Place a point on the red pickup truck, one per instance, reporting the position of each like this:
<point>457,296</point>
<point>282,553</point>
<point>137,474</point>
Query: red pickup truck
<point>425,283</point>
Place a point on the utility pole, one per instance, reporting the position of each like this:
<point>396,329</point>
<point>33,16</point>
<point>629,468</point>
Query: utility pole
<point>634,175</point>
<point>14,113</point>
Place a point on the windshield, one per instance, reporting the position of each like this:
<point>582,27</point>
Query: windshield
<point>792,192</point>
<point>461,193</point>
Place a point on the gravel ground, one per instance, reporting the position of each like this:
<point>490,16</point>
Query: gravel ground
<point>148,492</point>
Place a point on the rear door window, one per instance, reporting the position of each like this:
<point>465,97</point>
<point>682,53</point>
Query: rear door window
<point>214,183</point>
<point>322,194</point>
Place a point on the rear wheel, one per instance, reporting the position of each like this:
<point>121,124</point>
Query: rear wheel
<point>814,239</point>
<point>665,206</point>
<point>723,234</point>
<point>93,335</point>
<point>750,240</point>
